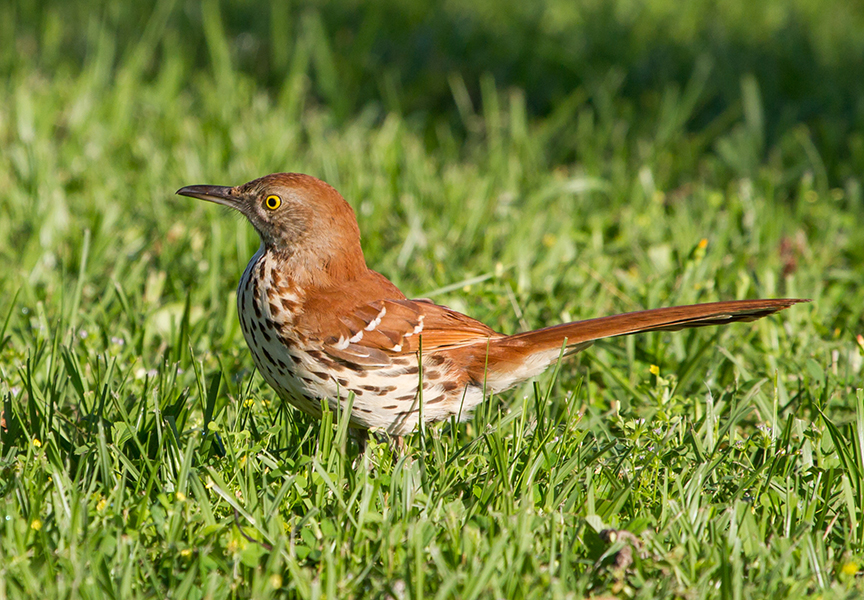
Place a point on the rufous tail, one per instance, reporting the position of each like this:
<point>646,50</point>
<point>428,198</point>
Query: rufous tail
<point>580,333</point>
<point>507,360</point>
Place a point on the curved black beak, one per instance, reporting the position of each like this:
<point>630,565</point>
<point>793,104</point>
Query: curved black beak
<point>220,194</point>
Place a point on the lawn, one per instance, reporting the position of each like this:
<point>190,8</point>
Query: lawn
<point>527,164</point>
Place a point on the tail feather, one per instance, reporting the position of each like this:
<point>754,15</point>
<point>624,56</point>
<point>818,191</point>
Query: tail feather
<point>580,333</point>
<point>505,361</point>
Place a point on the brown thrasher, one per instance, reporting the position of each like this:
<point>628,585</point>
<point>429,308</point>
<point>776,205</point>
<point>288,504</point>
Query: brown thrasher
<point>321,325</point>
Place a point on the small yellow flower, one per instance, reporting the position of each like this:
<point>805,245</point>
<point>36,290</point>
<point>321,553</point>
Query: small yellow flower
<point>186,553</point>
<point>100,506</point>
<point>703,243</point>
<point>654,370</point>
<point>276,581</point>
<point>37,443</point>
<point>36,525</point>
<point>850,568</point>
<point>181,497</point>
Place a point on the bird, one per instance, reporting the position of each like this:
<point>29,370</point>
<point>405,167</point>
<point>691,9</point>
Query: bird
<point>323,327</point>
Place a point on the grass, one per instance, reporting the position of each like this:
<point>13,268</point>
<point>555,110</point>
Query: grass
<point>143,457</point>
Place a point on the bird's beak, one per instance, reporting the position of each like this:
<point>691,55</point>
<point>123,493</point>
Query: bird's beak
<point>219,194</point>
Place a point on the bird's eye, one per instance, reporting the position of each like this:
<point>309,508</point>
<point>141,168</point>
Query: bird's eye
<point>273,202</point>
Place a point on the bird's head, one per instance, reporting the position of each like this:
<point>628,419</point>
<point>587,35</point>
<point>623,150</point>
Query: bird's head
<point>297,216</point>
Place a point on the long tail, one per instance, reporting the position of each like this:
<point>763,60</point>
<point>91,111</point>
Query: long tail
<point>516,357</point>
<point>657,319</point>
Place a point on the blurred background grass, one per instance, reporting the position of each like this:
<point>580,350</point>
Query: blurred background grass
<point>403,57</point>
<point>525,162</point>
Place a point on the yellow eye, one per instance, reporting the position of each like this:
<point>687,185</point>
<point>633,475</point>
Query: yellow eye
<point>273,202</point>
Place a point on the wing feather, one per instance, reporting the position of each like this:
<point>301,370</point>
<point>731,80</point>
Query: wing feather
<point>375,333</point>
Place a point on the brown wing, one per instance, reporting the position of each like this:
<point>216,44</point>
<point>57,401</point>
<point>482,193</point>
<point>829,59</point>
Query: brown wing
<point>372,334</point>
